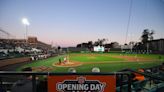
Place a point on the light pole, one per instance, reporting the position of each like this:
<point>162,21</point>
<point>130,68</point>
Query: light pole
<point>26,23</point>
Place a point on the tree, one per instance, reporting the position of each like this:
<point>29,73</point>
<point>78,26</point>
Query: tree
<point>147,35</point>
<point>90,45</point>
<point>59,47</point>
<point>132,43</point>
<point>96,43</point>
<point>84,45</point>
<point>100,42</point>
<point>78,46</point>
<point>139,46</point>
<point>151,35</point>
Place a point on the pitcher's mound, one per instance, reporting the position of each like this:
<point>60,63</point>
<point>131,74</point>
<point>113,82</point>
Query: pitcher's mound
<point>68,64</point>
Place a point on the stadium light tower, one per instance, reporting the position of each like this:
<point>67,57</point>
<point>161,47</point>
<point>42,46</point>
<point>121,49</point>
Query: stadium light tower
<point>26,23</point>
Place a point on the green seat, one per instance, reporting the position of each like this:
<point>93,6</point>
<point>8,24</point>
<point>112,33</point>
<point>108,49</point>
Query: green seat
<point>154,89</point>
<point>139,85</point>
<point>124,88</point>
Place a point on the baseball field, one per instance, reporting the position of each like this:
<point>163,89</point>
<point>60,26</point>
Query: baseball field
<point>84,62</point>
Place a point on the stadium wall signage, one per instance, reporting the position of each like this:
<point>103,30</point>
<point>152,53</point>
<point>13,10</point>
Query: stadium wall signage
<point>98,48</point>
<point>73,83</point>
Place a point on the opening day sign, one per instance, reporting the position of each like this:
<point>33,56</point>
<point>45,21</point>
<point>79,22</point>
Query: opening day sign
<point>87,83</point>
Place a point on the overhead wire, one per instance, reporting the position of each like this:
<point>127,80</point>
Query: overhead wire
<point>129,18</point>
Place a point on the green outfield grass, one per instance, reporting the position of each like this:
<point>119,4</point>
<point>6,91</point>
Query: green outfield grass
<point>93,57</point>
<point>111,64</point>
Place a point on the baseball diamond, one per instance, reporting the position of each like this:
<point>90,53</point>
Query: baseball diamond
<point>84,62</point>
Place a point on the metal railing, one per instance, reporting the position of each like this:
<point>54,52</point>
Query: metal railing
<point>34,74</point>
<point>120,74</point>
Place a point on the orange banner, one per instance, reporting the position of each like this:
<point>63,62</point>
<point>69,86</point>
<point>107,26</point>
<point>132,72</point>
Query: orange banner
<point>88,83</point>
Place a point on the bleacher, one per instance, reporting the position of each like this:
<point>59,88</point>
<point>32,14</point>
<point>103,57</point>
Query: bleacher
<point>15,48</point>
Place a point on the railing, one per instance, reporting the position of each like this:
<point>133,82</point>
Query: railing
<point>34,74</point>
<point>120,74</point>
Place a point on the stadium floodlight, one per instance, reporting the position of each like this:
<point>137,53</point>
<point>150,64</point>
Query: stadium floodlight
<point>25,21</point>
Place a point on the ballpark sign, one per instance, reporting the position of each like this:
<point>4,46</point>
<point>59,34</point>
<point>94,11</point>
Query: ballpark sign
<point>80,84</point>
<point>72,83</point>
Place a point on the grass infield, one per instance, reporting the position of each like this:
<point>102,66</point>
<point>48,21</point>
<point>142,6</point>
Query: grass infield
<point>107,62</point>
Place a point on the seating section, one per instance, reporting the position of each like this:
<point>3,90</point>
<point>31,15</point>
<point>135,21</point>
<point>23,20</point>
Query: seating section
<point>149,84</point>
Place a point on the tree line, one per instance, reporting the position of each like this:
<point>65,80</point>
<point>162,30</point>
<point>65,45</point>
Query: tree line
<point>146,37</point>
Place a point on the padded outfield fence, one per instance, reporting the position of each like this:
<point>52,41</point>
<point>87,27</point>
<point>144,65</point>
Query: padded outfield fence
<point>122,83</point>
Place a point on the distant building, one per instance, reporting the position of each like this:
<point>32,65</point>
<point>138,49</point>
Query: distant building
<point>157,46</point>
<point>43,45</point>
<point>31,42</point>
<point>115,45</point>
<point>126,47</point>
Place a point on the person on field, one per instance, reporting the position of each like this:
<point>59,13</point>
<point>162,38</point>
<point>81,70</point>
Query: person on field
<point>65,60</point>
<point>60,61</point>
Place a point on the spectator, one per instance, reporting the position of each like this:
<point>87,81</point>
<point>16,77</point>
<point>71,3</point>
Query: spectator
<point>139,77</point>
<point>32,58</point>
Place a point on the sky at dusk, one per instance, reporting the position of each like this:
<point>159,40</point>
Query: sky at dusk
<point>69,22</point>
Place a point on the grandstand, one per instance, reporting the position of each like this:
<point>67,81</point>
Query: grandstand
<point>14,51</point>
<point>31,42</point>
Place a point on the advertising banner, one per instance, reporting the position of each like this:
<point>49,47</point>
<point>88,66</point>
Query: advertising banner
<point>88,83</point>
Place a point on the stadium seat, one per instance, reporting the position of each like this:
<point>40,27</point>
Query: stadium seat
<point>158,88</point>
<point>139,85</point>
